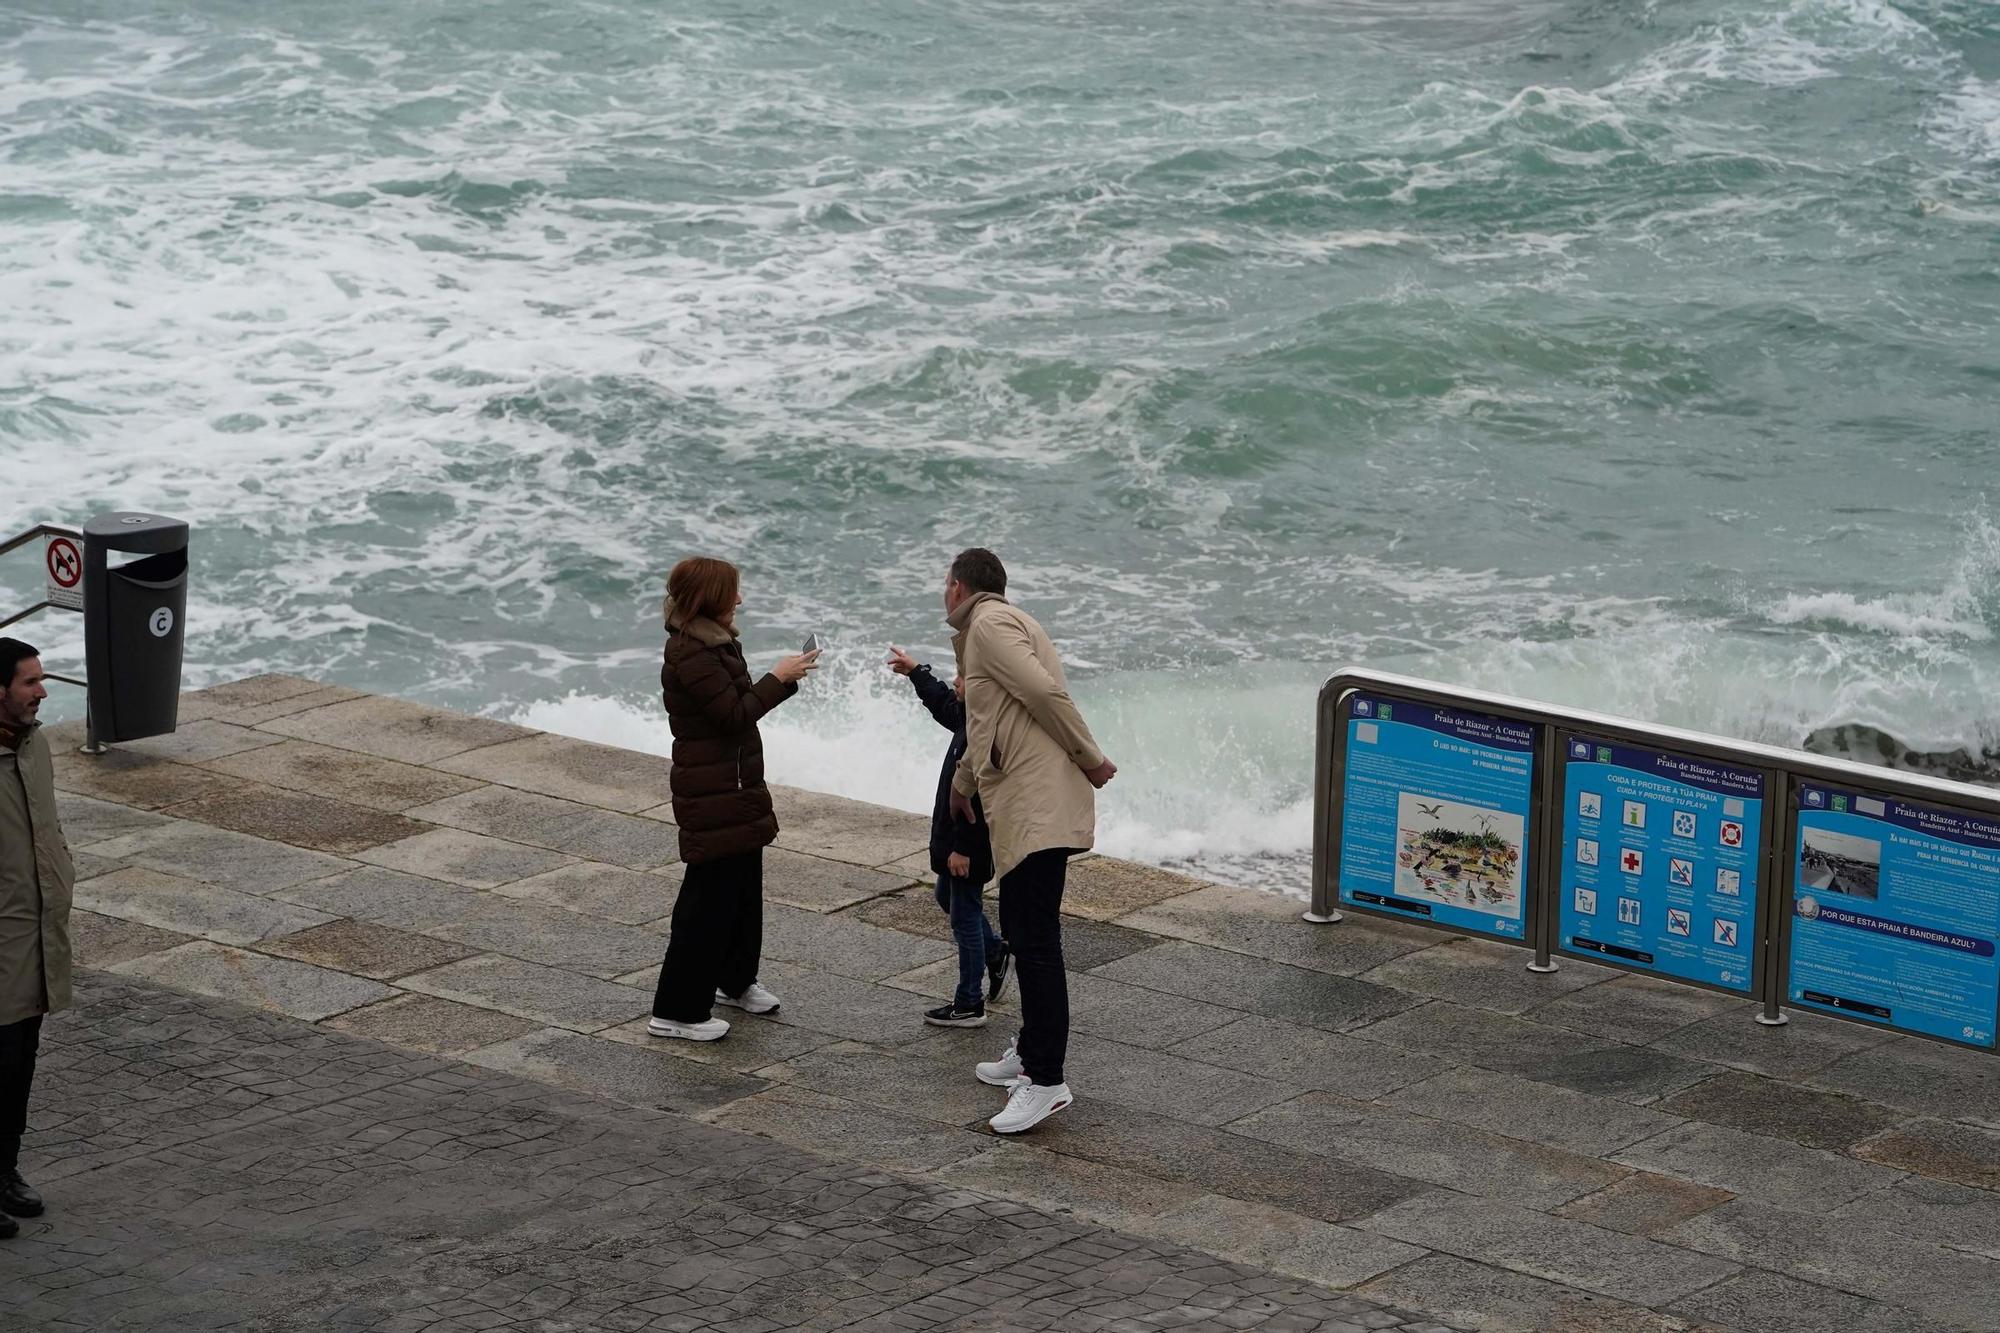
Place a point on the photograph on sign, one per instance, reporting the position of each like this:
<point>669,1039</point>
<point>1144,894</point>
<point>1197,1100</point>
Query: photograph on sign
<point>1895,914</point>
<point>1668,882</point>
<point>1434,814</point>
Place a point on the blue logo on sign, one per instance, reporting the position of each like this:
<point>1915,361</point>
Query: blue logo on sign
<point>1362,708</point>
<point>1815,798</point>
<point>1578,750</point>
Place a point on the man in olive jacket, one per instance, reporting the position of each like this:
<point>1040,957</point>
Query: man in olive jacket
<point>1031,760</point>
<point>35,882</point>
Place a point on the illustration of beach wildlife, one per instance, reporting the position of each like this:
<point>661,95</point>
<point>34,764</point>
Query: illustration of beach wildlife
<point>1461,855</point>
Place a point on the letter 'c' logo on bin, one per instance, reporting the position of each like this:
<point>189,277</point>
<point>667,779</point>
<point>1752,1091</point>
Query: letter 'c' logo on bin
<point>162,623</point>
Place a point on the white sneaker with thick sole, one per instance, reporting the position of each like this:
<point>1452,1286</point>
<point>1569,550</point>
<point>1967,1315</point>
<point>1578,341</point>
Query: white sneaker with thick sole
<point>1000,1073</point>
<point>1028,1105</point>
<point>713,1029</point>
<point>755,1000</point>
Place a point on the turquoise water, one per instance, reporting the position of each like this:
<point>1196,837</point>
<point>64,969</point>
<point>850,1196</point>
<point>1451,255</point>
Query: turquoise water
<point>1637,355</point>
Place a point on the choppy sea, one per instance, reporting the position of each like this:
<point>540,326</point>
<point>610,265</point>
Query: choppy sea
<point>1639,355</point>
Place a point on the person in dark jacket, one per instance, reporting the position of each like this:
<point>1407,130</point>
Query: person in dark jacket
<point>962,860</point>
<point>721,805</point>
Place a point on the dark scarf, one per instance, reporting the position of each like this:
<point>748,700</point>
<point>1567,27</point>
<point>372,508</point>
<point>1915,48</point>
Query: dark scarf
<point>14,737</point>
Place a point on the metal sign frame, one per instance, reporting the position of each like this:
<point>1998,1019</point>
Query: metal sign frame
<point>1767,867</point>
<point>1532,838</point>
<point>1783,920</point>
<point>1787,769</point>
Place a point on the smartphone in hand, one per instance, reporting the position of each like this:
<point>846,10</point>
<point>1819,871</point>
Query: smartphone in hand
<point>814,644</point>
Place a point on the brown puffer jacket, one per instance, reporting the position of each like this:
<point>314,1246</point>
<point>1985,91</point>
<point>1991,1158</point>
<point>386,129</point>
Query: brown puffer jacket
<point>721,803</point>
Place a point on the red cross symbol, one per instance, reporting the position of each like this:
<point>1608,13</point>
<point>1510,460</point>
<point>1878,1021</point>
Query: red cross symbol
<point>1631,862</point>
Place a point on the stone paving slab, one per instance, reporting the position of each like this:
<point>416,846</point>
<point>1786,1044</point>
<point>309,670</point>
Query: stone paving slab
<point>298,819</point>
<point>528,990</point>
<point>1310,1058</point>
<point>1954,1217</point>
<point>1644,1203</point>
<point>1537,1112</point>
<point>1610,1263</point>
<point>404,1193</point>
<point>134,779</point>
<point>819,884</point>
<point>1471,1160</point>
<point>559,825</point>
<point>296,989</point>
<point>221,857</point>
<point>1484,974</point>
<point>469,859</point>
<point>635,1075</point>
<point>189,907</point>
<point>1940,1149</point>
<point>86,820</point>
<point>1804,1179</point>
<point>199,741</point>
<point>394,729</point>
<point>1266,925</point>
<point>1920,1077</point>
<point>249,692</point>
<point>609,893</point>
<point>819,1122</point>
<point>1832,1252</point>
<point>344,775</point>
<point>364,949</point>
<point>574,770</point>
<point>1275,990</point>
<point>1498,1300</point>
<point>105,941</point>
<point>436,1027</point>
<point>837,829</point>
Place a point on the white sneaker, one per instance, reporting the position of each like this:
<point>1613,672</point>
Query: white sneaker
<point>712,1029</point>
<point>1001,1073</point>
<point>1028,1105</point>
<point>755,1000</point>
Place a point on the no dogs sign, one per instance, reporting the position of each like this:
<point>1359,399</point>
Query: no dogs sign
<point>65,565</point>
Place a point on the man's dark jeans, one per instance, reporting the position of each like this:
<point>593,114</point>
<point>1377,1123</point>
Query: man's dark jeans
<point>977,940</point>
<point>1031,922</point>
<point>18,1044</point>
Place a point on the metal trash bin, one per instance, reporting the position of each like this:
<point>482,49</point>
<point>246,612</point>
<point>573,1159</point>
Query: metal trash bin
<point>134,618</point>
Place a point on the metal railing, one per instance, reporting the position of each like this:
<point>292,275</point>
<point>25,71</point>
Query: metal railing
<point>1790,783</point>
<point>41,532</point>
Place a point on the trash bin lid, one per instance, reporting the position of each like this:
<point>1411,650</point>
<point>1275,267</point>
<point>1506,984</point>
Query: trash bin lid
<point>131,530</point>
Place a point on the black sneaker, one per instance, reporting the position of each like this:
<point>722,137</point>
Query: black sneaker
<point>9,1228</point>
<point>996,974</point>
<point>951,1016</point>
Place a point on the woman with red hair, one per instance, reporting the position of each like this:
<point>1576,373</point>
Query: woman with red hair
<point>721,805</point>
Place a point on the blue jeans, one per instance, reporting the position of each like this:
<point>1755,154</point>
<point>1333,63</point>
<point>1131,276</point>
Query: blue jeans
<point>976,938</point>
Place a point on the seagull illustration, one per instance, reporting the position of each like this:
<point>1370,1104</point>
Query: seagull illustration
<point>1430,810</point>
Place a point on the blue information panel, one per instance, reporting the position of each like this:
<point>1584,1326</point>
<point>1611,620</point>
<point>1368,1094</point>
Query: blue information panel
<point>1434,815</point>
<point>1660,862</point>
<point>1895,907</point>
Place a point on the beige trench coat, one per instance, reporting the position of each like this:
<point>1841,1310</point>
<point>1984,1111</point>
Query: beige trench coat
<point>1026,743</point>
<point>36,878</point>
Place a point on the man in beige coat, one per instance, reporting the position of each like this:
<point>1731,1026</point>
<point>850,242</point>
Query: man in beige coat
<point>35,882</point>
<point>1031,760</point>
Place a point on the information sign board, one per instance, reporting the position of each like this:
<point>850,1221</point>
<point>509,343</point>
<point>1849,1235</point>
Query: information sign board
<point>1894,913</point>
<point>1660,862</point>
<point>1435,815</point>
